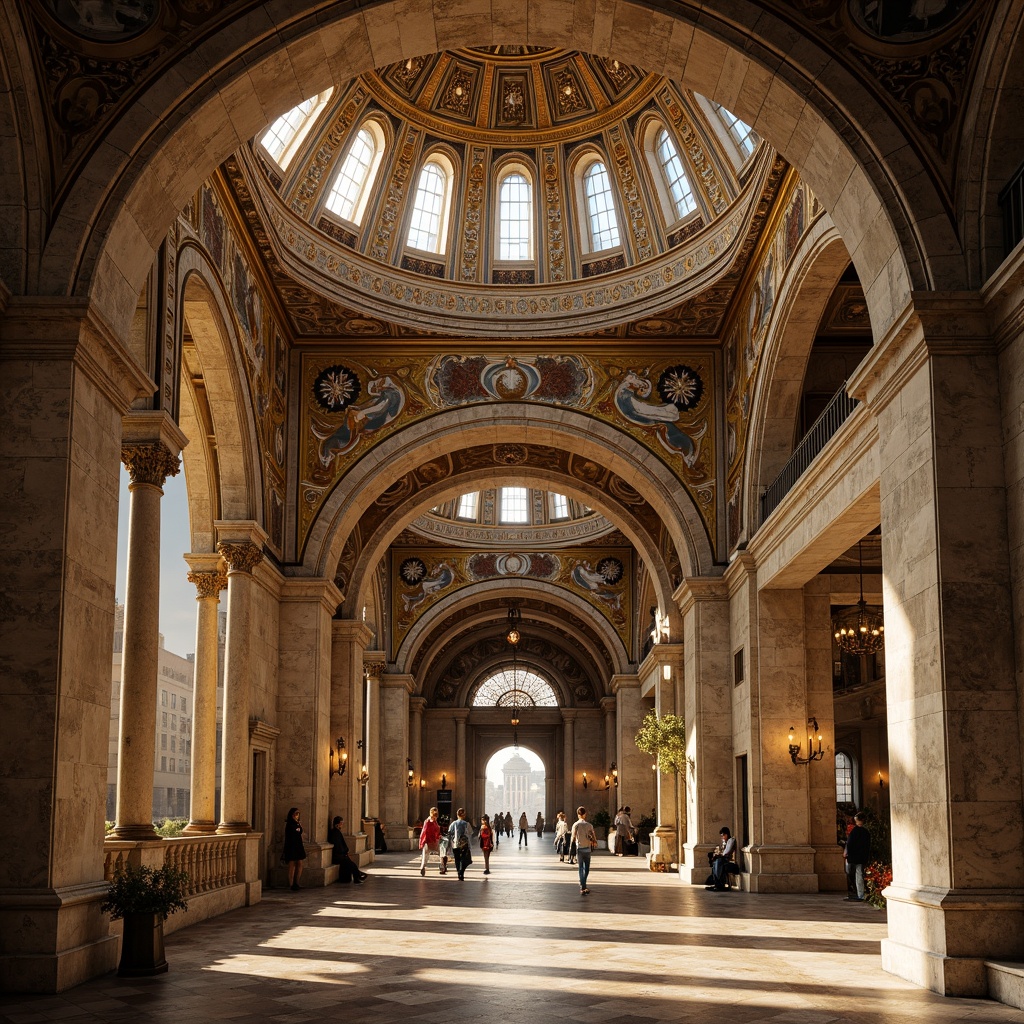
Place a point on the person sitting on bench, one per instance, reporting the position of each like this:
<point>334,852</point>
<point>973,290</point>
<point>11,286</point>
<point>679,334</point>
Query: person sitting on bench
<point>723,862</point>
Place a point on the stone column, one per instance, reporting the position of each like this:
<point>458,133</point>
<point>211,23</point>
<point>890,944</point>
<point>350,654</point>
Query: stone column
<point>302,773</point>
<point>636,780</point>
<point>569,762</point>
<point>417,705</point>
<point>243,551</point>
<point>150,451</point>
<point>374,666</point>
<point>666,838</point>
<point>608,706</point>
<point>210,579</point>
<point>395,794</point>
<point>68,381</point>
<point>934,385</point>
<point>707,709</point>
<point>462,794</point>
<point>349,638</point>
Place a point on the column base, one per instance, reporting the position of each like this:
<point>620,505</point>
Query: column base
<point>199,828</point>
<point>663,847</point>
<point>695,867</point>
<point>63,936</point>
<point>232,828</point>
<point>133,833</point>
<point>400,836</point>
<point>777,868</point>
<point>966,928</point>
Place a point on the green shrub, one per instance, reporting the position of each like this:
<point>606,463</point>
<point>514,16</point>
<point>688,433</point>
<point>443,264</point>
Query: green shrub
<point>170,827</point>
<point>601,819</point>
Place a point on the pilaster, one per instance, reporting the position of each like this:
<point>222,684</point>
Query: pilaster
<point>349,638</point>
<point>395,793</point>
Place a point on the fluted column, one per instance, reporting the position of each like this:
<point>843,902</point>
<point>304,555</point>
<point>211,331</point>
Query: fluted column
<point>150,454</point>
<point>242,557</point>
<point>209,579</point>
<point>417,705</point>
<point>463,790</point>
<point>569,762</point>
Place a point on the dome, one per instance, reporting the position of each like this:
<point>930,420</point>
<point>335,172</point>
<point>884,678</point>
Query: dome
<point>453,191</point>
<point>516,764</point>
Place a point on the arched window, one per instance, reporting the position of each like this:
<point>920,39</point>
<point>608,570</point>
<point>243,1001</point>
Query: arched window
<point>559,506</point>
<point>515,217</point>
<point>427,229</point>
<point>739,131</point>
<point>844,778</point>
<point>603,224</point>
<point>351,187</point>
<point>468,505</point>
<point>524,689</point>
<point>676,181</point>
<point>285,135</point>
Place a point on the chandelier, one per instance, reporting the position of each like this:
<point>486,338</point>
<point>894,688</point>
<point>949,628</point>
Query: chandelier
<point>858,630</point>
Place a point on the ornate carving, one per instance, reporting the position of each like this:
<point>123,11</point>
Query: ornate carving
<point>241,557</point>
<point>426,267</point>
<point>309,183</point>
<point>513,92</point>
<point>457,93</point>
<point>208,584</point>
<point>604,266</point>
<point>150,463</point>
<point>553,217</point>
<point>474,201</point>
<point>337,232</point>
<point>513,276</point>
<point>381,248</point>
<point>631,195</point>
<point>569,95</point>
<point>706,175</point>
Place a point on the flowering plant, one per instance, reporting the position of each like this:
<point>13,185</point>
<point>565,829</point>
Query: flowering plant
<point>877,876</point>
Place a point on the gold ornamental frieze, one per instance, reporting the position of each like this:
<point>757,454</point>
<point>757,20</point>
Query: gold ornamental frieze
<point>421,578</point>
<point>351,405</point>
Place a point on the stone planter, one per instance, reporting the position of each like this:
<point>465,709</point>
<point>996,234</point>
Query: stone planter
<point>142,946</point>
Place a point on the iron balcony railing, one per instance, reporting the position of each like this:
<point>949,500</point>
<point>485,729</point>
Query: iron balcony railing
<point>824,427</point>
<point>1011,202</point>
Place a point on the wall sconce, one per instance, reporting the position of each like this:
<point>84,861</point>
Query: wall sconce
<point>881,781</point>
<point>666,672</point>
<point>342,758</point>
<point>364,776</point>
<point>609,782</point>
<point>423,783</point>
<point>585,783</point>
<point>410,780</point>
<point>444,781</point>
<point>812,754</point>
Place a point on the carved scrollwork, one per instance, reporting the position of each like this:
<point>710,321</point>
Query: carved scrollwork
<point>241,557</point>
<point>208,584</point>
<point>150,463</point>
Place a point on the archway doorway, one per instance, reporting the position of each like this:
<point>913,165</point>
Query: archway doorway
<point>516,783</point>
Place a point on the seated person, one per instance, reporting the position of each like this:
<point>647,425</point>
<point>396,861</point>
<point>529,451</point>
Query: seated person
<point>723,862</point>
<point>348,869</point>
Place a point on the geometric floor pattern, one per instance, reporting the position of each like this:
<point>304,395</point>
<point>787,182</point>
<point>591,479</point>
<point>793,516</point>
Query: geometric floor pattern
<point>520,946</point>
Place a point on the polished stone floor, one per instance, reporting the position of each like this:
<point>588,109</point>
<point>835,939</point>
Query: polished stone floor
<point>521,946</point>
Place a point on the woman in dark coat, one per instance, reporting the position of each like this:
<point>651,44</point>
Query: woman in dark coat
<point>348,870</point>
<point>294,852</point>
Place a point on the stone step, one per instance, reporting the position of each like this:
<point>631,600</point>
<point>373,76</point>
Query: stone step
<point>1006,982</point>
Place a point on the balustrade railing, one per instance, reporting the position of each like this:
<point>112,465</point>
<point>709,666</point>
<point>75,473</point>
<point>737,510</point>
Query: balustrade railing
<point>824,427</point>
<point>211,862</point>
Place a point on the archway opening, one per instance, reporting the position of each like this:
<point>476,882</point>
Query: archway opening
<point>515,783</point>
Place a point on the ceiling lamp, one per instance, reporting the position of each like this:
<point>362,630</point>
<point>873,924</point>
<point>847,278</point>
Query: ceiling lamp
<point>858,630</point>
<point>512,638</point>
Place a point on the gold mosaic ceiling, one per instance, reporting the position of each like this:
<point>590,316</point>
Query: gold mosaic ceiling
<point>526,90</point>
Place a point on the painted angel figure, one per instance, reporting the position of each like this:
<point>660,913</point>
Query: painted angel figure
<point>664,416</point>
<point>442,577</point>
<point>385,402</point>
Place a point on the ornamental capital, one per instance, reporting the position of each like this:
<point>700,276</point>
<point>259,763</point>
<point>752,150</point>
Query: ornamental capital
<point>208,584</point>
<point>241,557</point>
<point>149,463</point>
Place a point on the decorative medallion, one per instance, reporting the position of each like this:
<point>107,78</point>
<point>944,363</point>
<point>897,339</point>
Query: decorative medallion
<point>412,571</point>
<point>511,454</point>
<point>681,386</point>
<point>336,388</point>
<point>611,569</point>
<point>105,21</point>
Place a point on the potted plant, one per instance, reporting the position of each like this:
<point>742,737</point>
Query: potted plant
<point>601,820</point>
<point>664,736</point>
<point>144,897</point>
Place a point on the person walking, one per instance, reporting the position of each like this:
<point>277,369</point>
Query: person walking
<point>538,825</point>
<point>524,830</point>
<point>561,836</point>
<point>430,838</point>
<point>508,824</point>
<point>585,838</point>
<point>458,840</point>
<point>858,856</point>
<point>294,851</point>
<point>486,842</point>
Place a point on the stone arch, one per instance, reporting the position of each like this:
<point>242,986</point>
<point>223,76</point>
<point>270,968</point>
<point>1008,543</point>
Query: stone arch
<point>817,267</point>
<point>132,192</point>
<point>424,498</point>
<point>989,166</point>
<point>501,590</point>
<point>223,480</point>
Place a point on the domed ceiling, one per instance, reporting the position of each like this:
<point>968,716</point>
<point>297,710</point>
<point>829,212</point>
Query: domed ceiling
<point>668,267</point>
